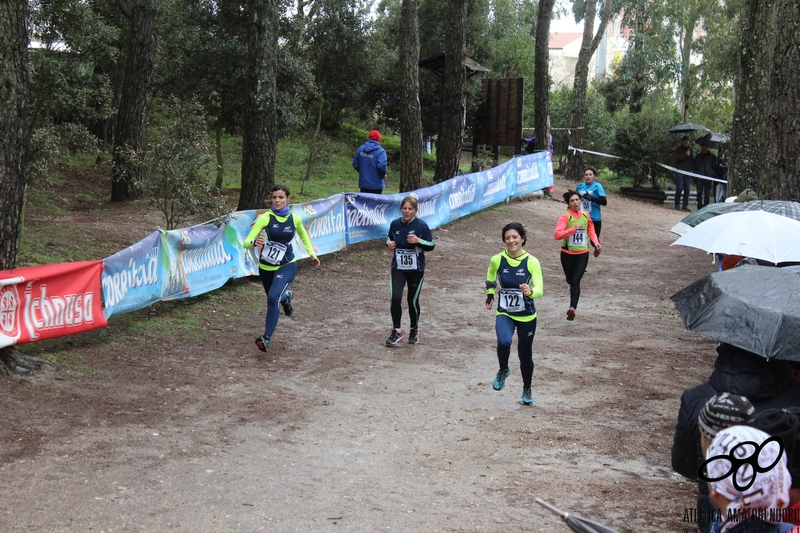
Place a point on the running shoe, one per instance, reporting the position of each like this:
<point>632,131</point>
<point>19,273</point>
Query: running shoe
<point>413,336</point>
<point>395,337</point>
<point>527,398</point>
<point>571,313</point>
<point>596,252</point>
<point>287,304</point>
<point>263,343</point>
<point>500,379</point>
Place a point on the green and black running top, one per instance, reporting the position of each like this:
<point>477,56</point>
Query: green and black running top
<point>503,279</point>
<point>410,257</point>
<point>277,250</point>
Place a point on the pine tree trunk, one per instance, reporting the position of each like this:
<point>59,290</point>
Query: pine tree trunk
<point>410,112</point>
<point>260,125</point>
<point>13,141</point>
<point>766,118</point>
<point>454,92</point>
<point>541,77</point>
<point>129,127</point>
<point>589,45</point>
<point>13,126</point>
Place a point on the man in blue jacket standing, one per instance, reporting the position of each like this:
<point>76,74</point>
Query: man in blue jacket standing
<point>370,162</point>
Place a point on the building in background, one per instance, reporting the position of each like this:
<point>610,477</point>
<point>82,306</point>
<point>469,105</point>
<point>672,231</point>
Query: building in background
<point>566,45</point>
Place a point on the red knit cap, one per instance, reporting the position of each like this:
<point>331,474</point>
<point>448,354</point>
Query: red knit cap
<point>375,135</point>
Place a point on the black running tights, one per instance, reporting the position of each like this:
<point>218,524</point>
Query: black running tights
<point>414,279</point>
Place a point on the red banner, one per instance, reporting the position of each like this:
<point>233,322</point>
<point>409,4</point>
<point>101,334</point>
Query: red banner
<point>44,302</point>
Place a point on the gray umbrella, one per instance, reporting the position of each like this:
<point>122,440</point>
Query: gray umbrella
<point>687,128</point>
<point>755,308</point>
<point>784,208</point>
<point>714,140</point>
<point>576,523</point>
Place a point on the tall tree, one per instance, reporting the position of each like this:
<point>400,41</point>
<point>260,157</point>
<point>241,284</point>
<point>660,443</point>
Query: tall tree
<point>766,120</point>
<point>13,148</point>
<point>129,128</point>
<point>260,131</point>
<point>454,92</point>
<point>13,126</point>
<point>541,79</point>
<point>589,44</point>
<point>338,32</point>
<point>410,113</point>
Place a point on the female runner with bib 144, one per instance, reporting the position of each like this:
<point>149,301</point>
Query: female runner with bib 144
<point>409,238</point>
<point>276,266</point>
<point>515,277</point>
<point>575,230</point>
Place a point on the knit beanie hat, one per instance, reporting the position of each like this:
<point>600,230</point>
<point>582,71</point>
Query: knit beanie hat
<point>375,135</point>
<point>784,423</point>
<point>724,410</point>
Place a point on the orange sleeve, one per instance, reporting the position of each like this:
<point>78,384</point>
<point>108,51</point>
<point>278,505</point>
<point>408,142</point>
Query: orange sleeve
<point>561,228</point>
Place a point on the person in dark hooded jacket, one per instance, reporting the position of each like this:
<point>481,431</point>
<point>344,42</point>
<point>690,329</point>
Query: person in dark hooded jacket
<point>370,162</point>
<point>767,384</point>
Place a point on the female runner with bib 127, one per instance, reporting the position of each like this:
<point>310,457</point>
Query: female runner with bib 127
<point>276,266</point>
<point>515,277</point>
<point>409,238</point>
<point>575,230</point>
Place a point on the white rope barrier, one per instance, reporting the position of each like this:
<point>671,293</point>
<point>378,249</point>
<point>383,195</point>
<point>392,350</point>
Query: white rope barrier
<point>673,169</point>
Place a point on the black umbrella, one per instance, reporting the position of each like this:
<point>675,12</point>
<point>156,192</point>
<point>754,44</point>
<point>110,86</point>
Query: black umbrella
<point>714,140</point>
<point>755,308</point>
<point>576,523</point>
<point>687,128</point>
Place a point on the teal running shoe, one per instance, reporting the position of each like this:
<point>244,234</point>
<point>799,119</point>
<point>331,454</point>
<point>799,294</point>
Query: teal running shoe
<point>527,399</point>
<point>500,379</point>
<point>288,310</point>
<point>263,343</point>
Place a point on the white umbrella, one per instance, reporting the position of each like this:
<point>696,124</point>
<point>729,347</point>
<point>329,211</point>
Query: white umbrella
<point>755,234</point>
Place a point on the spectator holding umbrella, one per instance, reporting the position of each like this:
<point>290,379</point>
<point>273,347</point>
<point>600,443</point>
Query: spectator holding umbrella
<point>768,384</point>
<point>705,164</point>
<point>684,160</point>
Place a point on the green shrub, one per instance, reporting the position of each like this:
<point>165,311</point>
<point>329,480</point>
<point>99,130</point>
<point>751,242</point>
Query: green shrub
<point>178,163</point>
<point>642,140</point>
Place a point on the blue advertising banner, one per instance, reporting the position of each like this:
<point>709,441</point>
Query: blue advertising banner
<point>369,215</point>
<point>464,194</point>
<point>324,220</point>
<point>501,183</point>
<point>534,172</point>
<point>197,260</point>
<point>132,277</point>
<point>432,204</point>
<point>236,231</point>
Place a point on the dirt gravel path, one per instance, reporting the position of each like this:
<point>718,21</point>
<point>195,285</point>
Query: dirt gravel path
<point>332,431</point>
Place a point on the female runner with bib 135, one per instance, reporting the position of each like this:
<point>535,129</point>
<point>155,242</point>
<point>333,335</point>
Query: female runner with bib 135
<point>575,230</point>
<point>276,266</point>
<point>515,277</point>
<point>409,238</point>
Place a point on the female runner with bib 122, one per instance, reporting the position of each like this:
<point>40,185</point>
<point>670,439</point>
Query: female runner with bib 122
<point>515,277</point>
<point>276,266</point>
<point>575,230</point>
<point>409,238</point>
